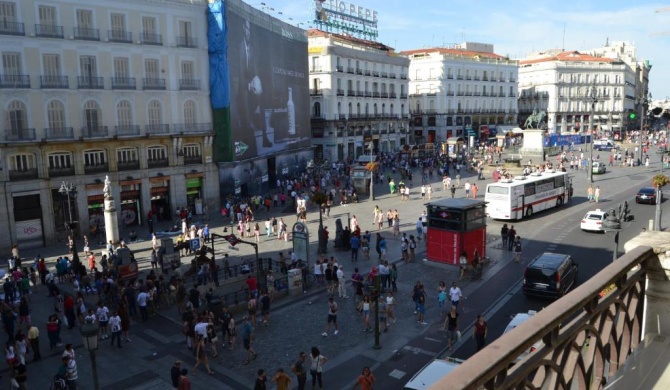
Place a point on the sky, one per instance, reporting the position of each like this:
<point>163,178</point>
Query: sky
<point>516,28</point>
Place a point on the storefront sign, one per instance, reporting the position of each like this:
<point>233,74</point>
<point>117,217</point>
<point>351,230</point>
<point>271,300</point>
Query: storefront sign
<point>130,195</point>
<point>346,18</point>
<point>96,199</point>
<point>194,182</point>
<point>159,191</point>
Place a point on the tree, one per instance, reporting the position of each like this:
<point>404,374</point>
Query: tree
<point>659,181</point>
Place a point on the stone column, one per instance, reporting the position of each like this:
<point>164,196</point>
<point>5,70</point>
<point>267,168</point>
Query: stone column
<point>111,219</point>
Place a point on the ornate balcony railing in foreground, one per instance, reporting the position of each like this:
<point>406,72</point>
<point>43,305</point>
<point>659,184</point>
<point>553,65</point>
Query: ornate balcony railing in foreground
<point>586,336</point>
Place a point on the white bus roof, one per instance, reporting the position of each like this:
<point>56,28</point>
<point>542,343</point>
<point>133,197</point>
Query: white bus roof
<point>533,177</point>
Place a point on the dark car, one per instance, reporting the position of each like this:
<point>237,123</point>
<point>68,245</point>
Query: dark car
<point>550,275</point>
<point>646,195</point>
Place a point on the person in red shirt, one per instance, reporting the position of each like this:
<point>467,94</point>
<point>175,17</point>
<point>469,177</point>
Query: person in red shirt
<point>252,285</point>
<point>184,380</point>
<point>365,380</point>
<point>68,308</point>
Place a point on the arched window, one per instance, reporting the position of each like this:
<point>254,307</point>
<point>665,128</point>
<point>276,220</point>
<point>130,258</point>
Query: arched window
<point>383,108</point>
<point>155,113</point>
<point>124,113</point>
<point>91,115</point>
<point>374,109</point>
<point>317,110</point>
<point>17,117</point>
<point>189,112</point>
<point>55,115</point>
<point>391,108</point>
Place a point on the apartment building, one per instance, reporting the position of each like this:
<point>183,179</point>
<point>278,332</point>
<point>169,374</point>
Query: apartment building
<point>99,88</point>
<point>460,91</point>
<point>358,96</point>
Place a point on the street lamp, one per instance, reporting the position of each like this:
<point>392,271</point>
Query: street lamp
<point>642,101</point>
<point>612,223</point>
<point>593,98</point>
<point>70,190</point>
<point>89,334</point>
<point>372,180</point>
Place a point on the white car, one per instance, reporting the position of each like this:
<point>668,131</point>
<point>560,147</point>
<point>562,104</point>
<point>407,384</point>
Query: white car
<point>593,221</point>
<point>517,320</point>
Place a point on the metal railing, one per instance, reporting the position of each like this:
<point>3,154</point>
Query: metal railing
<point>187,41</point>
<point>86,34</point>
<point>22,174</point>
<point>97,168</point>
<point>189,84</point>
<point>192,127</point>
<point>54,82</point>
<point>18,135</point>
<point>157,129</point>
<point>120,36</point>
<point>12,28</point>
<point>49,31</point>
<point>87,82</point>
<point>153,83</point>
<point>60,172</point>
<point>124,83</point>
<point>190,160</point>
<point>151,39</point>
<point>94,132</point>
<point>587,335</point>
<point>158,163</point>
<point>58,133</point>
<point>14,81</point>
<point>128,165</point>
<point>127,130</point>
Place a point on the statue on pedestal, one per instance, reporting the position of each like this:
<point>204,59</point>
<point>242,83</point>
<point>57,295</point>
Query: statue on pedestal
<point>107,190</point>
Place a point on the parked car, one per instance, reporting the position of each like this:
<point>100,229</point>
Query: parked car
<point>646,195</point>
<point>593,221</point>
<point>431,373</point>
<point>517,320</point>
<point>550,275</point>
<point>598,167</point>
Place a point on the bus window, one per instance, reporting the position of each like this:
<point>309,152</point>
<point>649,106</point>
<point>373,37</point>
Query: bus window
<point>529,189</point>
<point>559,181</point>
<point>498,190</point>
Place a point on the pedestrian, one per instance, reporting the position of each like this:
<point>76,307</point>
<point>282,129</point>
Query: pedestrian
<point>102,314</point>
<point>332,317</point>
<point>480,331</point>
<point>503,234</point>
<point>142,302</point>
<point>451,326</point>
<point>467,186</point>
<point>589,193</point>
<point>184,380</point>
<point>71,375</point>
<point>265,308</point>
<point>316,367</point>
<point>247,334</point>
<point>453,190</point>
<point>517,249</point>
<point>382,248</point>
<point>261,380</point>
<point>125,321</point>
<point>282,380</point>
<point>365,380</point>
<point>390,307</point>
<point>419,228</point>
<point>299,370</point>
<point>596,194</point>
<point>115,325</point>
<point>455,294</point>
<point>463,260</point>
<point>34,341</point>
<point>420,297</point>
<point>201,355</point>
<point>175,374</point>
<point>366,306</point>
<point>341,283</point>
<point>53,331</point>
<point>474,190</point>
<point>21,348</point>
<point>511,234</point>
<point>441,296</point>
<point>19,375</point>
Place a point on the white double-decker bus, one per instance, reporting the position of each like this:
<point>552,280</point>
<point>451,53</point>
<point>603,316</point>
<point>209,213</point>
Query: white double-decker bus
<point>524,195</point>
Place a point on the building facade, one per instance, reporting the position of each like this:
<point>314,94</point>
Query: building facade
<point>578,90</point>
<point>98,88</point>
<point>359,95</point>
<point>467,86</point>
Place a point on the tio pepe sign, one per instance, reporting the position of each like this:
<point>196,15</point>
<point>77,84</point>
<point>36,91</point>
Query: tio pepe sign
<point>348,9</point>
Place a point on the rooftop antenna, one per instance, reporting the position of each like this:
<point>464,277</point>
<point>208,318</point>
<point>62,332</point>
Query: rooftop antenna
<point>563,44</point>
<point>607,41</point>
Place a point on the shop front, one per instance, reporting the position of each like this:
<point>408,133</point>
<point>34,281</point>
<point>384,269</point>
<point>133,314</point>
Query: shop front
<point>95,204</point>
<point>194,192</point>
<point>131,212</point>
<point>160,197</point>
<point>28,220</point>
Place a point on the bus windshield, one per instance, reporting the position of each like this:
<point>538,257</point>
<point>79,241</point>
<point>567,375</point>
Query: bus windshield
<point>497,190</point>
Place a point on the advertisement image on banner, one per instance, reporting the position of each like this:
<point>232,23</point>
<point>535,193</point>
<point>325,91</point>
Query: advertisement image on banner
<point>269,84</point>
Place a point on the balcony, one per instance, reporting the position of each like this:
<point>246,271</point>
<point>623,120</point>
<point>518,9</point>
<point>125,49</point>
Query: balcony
<point>85,82</point>
<point>368,94</point>
<point>375,73</point>
<point>61,171</point>
<point>120,36</point>
<point>97,168</point>
<point>157,129</point>
<point>476,94</point>
<point>367,72</point>
<point>594,330</point>
<point>158,163</point>
<point>341,117</point>
<point>376,94</point>
<point>49,31</point>
<point>153,84</point>
<point>127,165</point>
<point>124,83</point>
<point>192,128</point>
<point>315,92</point>
<point>339,68</point>
<point>151,39</point>
<point>90,132</point>
<point>403,77</point>
<point>86,34</point>
<point>12,28</point>
<point>384,75</point>
<point>340,92</point>
<point>359,71</point>
<point>512,80</point>
<point>350,70</point>
<point>476,78</point>
<point>403,95</point>
<point>459,77</point>
<point>385,95</point>
<point>392,75</point>
<point>14,81</point>
<point>450,77</point>
<point>22,174</point>
<point>392,95</point>
<point>351,92</point>
<point>20,135</point>
<point>59,134</point>
<point>485,78</point>
<point>127,130</point>
<point>189,84</point>
<point>186,41</point>
<point>191,160</point>
<point>360,93</point>
<point>54,82</point>
<point>450,93</point>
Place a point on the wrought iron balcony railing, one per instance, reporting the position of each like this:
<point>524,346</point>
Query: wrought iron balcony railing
<point>58,133</point>
<point>186,41</point>
<point>151,39</point>
<point>14,81</point>
<point>124,83</point>
<point>12,28</point>
<point>157,129</point>
<point>49,31</point>
<point>86,34</point>
<point>19,135</point>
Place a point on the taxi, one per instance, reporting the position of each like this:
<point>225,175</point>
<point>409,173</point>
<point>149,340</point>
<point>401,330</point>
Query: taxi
<point>599,167</point>
<point>593,221</point>
<point>517,320</point>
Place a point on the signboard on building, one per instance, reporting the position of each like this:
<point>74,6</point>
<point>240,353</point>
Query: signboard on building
<point>346,18</point>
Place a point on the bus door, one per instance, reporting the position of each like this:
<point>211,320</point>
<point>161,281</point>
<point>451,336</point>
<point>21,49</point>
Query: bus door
<point>521,206</point>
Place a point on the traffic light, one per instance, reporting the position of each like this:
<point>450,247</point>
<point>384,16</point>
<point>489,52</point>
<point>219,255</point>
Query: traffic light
<point>632,115</point>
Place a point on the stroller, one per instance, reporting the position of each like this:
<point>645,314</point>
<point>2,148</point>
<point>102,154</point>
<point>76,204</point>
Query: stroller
<point>58,383</point>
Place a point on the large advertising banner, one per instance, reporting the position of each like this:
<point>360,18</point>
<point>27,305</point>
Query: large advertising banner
<point>269,83</point>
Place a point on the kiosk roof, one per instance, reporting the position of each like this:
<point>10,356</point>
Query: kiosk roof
<point>457,203</point>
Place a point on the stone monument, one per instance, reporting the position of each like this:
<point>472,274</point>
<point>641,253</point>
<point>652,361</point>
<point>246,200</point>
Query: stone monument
<point>111,220</point>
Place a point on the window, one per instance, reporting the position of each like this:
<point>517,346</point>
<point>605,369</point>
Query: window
<point>47,15</point>
<point>121,68</point>
<point>7,12</point>
<point>187,70</point>
<point>51,64</point>
<point>185,29</point>
<point>124,113</point>
<point>157,153</point>
<point>148,25</point>
<point>22,162</point>
<point>189,112</point>
<point>11,64</point>
<point>126,155</point>
<point>84,18</point>
<point>88,67</point>
<point>151,68</point>
<point>55,115</point>
<point>94,158</point>
<point>192,150</point>
<point>60,160</point>
<point>118,22</point>
<point>91,115</point>
<point>17,118</point>
<point>155,114</point>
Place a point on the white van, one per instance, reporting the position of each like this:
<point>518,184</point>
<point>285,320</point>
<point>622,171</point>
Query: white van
<point>603,144</point>
<point>431,373</point>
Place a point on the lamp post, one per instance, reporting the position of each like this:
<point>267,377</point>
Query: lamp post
<point>70,190</point>
<point>612,223</point>
<point>642,101</point>
<point>372,180</point>
<point>593,98</point>
<point>89,333</point>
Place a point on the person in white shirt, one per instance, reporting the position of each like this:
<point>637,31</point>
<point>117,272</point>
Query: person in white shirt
<point>103,320</point>
<point>142,302</point>
<point>201,328</point>
<point>455,294</point>
<point>340,283</point>
<point>115,325</point>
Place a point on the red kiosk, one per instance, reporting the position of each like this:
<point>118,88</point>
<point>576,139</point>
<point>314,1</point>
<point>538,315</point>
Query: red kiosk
<point>455,224</point>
